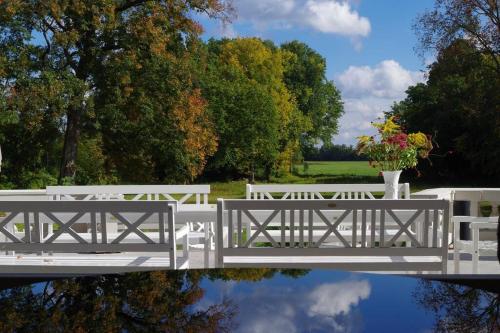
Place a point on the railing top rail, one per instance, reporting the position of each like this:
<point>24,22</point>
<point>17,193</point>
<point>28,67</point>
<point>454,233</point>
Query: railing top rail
<point>491,195</point>
<point>86,206</point>
<point>128,189</point>
<point>22,192</point>
<point>318,187</point>
<point>333,204</point>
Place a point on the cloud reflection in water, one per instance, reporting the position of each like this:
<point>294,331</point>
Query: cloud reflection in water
<point>328,307</point>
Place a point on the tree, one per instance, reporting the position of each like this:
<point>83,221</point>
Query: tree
<point>317,98</point>
<point>76,41</point>
<point>256,116</point>
<point>475,20</point>
<point>459,106</point>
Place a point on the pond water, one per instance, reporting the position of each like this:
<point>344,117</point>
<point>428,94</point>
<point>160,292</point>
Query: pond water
<point>247,300</point>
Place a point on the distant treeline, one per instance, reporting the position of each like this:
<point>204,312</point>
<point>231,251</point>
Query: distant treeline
<point>332,153</point>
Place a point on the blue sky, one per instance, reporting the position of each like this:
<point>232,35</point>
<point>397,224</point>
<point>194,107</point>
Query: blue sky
<point>368,45</point>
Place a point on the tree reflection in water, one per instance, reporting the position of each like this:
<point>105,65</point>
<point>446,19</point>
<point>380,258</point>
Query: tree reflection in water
<point>163,301</point>
<point>459,308</point>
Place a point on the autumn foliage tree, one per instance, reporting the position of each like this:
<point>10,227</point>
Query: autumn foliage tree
<point>75,41</point>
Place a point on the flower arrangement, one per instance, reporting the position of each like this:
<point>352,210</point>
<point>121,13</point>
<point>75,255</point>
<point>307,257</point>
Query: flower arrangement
<point>396,150</point>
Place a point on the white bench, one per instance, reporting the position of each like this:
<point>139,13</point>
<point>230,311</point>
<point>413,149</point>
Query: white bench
<point>296,245</point>
<point>97,214</point>
<point>198,236</point>
<point>320,191</point>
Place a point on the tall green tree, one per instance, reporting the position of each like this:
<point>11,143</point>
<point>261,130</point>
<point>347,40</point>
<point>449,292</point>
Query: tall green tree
<point>459,105</point>
<point>74,41</point>
<point>317,97</point>
<point>256,116</point>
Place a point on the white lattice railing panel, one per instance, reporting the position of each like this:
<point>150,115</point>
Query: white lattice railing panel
<point>320,191</point>
<point>196,194</point>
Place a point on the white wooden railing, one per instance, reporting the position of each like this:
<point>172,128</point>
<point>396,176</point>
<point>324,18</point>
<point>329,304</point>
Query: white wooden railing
<point>136,192</point>
<point>367,248</point>
<point>320,191</point>
<point>19,195</point>
<point>96,214</point>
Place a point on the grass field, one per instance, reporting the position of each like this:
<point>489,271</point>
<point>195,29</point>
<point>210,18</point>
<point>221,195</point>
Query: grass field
<point>316,173</point>
<point>341,168</point>
<point>321,172</point>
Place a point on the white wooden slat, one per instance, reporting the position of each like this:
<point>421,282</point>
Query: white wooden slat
<point>382,227</point>
<point>230,231</point>
<point>435,227</point>
<point>372,227</point>
<point>104,227</point>
<point>301,228</point>
<point>239,231</point>
<point>363,228</point>
<point>185,197</point>
<point>37,228</point>
<point>310,228</point>
<point>127,189</point>
<point>93,227</point>
<point>171,237</point>
<point>292,228</point>
<point>426,228</point>
<point>283,228</point>
<point>354,227</point>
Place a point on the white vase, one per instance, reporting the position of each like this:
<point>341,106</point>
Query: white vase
<point>391,180</point>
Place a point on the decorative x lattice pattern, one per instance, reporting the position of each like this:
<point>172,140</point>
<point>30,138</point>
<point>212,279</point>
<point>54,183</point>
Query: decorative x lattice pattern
<point>350,228</point>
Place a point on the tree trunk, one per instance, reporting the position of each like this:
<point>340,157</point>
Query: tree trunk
<point>70,149</point>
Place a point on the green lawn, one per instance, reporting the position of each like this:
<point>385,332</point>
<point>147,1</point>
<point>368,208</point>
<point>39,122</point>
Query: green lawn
<point>337,172</point>
<point>342,168</point>
<point>317,173</point>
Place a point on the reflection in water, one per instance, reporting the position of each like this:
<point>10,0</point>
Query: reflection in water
<point>164,301</point>
<point>137,302</point>
<point>245,300</point>
<point>459,308</point>
<point>327,307</point>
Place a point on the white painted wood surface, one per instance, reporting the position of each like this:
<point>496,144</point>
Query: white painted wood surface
<point>476,247</point>
<point>96,214</point>
<point>18,195</point>
<point>295,236</point>
<point>139,192</point>
<point>182,193</point>
<point>320,191</point>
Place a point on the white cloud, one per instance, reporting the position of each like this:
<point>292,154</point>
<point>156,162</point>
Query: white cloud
<point>337,18</point>
<point>369,91</point>
<point>388,79</point>
<point>326,16</point>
